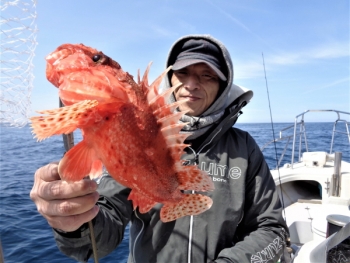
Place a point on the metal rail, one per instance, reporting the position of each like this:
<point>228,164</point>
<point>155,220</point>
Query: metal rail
<point>300,133</point>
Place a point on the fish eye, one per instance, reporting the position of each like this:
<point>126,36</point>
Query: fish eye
<point>96,57</point>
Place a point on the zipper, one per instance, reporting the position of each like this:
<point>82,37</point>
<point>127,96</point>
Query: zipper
<point>137,237</point>
<point>190,239</point>
<point>212,138</point>
<point>196,162</point>
<point>196,155</point>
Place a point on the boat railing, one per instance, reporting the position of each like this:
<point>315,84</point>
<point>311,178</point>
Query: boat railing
<point>299,132</point>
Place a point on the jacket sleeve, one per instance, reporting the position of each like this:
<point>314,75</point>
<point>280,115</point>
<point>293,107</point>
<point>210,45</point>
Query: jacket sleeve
<point>109,224</point>
<point>261,234</point>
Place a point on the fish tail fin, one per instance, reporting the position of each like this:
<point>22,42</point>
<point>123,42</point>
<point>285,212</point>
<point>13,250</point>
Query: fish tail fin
<point>192,178</point>
<point>63,120</point>
<point>191,204</point>
<point>143,202</point>
<point>79,162</point>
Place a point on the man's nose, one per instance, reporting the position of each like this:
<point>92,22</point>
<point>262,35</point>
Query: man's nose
<point>192,82</point>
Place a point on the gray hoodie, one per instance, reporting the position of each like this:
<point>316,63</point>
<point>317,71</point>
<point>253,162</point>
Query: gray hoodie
<point>245,222</point>
<point>230,93</point>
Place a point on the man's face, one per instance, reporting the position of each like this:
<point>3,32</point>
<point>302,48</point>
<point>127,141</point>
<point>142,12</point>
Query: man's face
<point>200,86</point>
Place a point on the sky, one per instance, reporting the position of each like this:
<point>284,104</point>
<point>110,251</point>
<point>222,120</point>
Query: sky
<point>304,46</point>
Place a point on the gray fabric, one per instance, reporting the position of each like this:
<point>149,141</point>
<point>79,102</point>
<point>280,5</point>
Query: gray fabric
<point>199,125</point>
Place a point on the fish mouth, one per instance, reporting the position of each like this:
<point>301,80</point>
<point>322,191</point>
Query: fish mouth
<point>53,59</point>
<point>60,53</point>
<point>52,75</point>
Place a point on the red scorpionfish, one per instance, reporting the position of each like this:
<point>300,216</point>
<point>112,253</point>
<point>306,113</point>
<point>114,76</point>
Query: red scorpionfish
<point>127,127</point>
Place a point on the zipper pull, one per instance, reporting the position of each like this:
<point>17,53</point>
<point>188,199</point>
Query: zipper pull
<point>191,161</point>
<point>196,161</point>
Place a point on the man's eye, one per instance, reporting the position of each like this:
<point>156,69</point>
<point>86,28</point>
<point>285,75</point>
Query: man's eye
<point>208,77</point>
<point>181,73</point>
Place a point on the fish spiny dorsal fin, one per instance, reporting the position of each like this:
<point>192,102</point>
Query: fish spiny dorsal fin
<point>63,120</point>
<point>144,81</point>
<point>177,150</point>
<point>168,109</point>
<point>160,100</point>
<point>171,119</point>
<point>176,138</point>
<point>172,129</point>
<point>192,178</point>
<point>138,77</point>
<point>153,89</point>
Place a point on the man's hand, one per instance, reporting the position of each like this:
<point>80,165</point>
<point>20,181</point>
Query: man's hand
<point>65,206</point>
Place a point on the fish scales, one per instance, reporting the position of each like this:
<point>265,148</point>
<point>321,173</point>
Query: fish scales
<point>127,127</point>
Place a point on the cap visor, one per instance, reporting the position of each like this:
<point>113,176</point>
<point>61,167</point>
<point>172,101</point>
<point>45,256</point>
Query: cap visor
<point>180,64</point>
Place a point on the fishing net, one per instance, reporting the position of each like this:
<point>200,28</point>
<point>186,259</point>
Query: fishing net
<point>18,42</point>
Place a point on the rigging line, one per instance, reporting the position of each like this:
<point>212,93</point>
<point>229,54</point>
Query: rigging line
<point>274,139</point>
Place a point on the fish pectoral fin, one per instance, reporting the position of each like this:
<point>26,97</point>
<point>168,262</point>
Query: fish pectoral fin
<point>63,120</point>
<point>191,204</point>
<point>143,202</point>
<point>79,162</point>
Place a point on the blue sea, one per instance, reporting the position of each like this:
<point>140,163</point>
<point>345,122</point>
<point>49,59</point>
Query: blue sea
<point>25,234</point>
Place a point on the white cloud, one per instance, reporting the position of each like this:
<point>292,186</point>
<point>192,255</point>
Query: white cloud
<point>329,85</point>
<point>251,69</point>
<point>248,70</point>
<point>329,51</point>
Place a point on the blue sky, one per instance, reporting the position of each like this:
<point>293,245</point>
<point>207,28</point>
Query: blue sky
<point>305,45</point>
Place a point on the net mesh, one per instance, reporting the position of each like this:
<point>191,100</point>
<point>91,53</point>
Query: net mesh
<point>18,43</point>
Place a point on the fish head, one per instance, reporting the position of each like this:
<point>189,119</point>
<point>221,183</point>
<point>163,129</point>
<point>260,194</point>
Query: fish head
<point>81,72</point>
<point>74,57</point>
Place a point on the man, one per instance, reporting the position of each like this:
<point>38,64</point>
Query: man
<point>244,223</point>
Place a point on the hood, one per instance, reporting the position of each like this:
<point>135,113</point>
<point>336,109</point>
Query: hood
<point>230,93</point>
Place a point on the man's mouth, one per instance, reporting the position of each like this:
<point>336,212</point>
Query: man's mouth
<point>190,97</point>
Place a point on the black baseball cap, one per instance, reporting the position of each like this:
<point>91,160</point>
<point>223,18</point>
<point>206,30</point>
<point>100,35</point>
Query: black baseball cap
<point>196,51</point>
